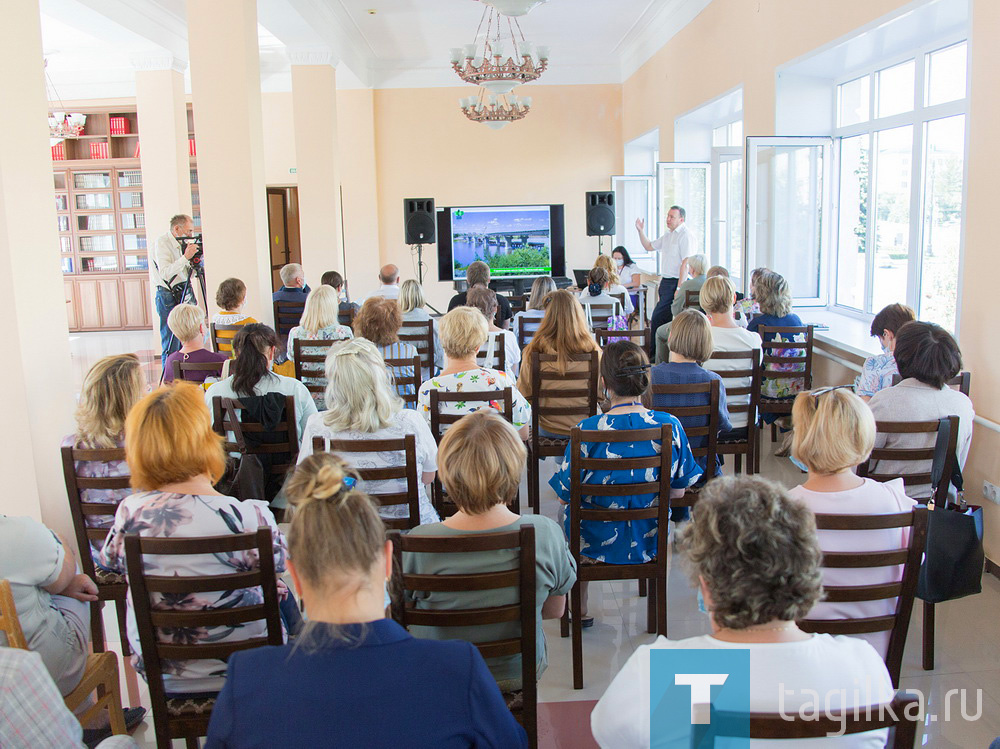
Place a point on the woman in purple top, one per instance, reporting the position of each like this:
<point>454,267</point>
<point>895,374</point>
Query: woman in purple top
<point>187,323</point>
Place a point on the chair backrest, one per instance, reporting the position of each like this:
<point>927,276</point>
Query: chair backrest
<point>150,620</point>
<point>402,380</point>
<point>79,510</point>
<point>223,344</point>
<point>598,314</point>
<point>691,298</point>
<point>708,411</point>
<point>903,714</point>
<point>937,431</point>
<point>787,352</point>
<point>737,393</point>
<point>621,300</point>
<point>660,511</point>
<point>577,400</point>
<point>897,623</point>
<point>347,317</point>
<point>211,367</point>
<point>407,472</point>
<point>302,358</point>
<point>287,315</point>
<point>10,625</point>
<point>499,360</point>
<point>526,329</point>
<point>518,302</point>
<point>421,334</point>
<point>285,435</point>
<point>524,611</point>
<point>603,334</point>
<point>504,398</point>
<point>962,382</point>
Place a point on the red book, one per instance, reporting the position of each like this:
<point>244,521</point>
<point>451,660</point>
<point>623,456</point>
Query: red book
<point>59,152</point>
<point>99,150</point>
<point>120,126</point>
<point>192,151</point>
<point>136,150</point>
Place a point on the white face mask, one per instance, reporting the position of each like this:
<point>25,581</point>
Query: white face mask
<point>619,262</point>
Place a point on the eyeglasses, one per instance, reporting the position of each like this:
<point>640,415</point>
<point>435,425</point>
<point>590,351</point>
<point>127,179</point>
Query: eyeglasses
<point>824,391</point>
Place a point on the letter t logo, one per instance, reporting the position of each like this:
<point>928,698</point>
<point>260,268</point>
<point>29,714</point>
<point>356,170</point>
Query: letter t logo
<point>701,692</point>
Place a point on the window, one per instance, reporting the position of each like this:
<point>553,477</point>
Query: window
<point>900,132</point>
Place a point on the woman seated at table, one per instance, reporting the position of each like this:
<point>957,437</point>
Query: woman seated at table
<point>379,321</point>
<point>176,459</point>
<point>320,322</point>
<point>753,555</point>
<point>629,273</point>
<point>354,678</point>
<point>463,333</point>
<point>625,377</point>
<point>534,310</point>
<point>485,300</point>
<point>834,433</point>
<point>481,461</point>
<point>598,293</point>
<point>230,298</point>
<point>412,304</point>
<point>187,323</point>
<point>362,404</point>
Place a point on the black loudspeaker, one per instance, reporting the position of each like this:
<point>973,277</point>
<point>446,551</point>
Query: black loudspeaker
<point>419,221</point>
<point>600,214</point>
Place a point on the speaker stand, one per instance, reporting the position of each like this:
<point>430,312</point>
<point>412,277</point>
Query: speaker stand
<point>420,267</point>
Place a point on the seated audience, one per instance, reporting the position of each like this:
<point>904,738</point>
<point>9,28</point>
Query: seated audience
<point>747,307</point>
<point>834,432</point>
<point>879,370</point>
<point>320,322</point>
<point>534,309</point>
<point>334,280</point>
<point>388,277</point>
<point>379,685</point>
<point>563,332</point>
<point>629,273</point>
<point>615,287</point>
<point>598,293</point>
<point>250,373</point>
<point>717,299</point>
<point>690,345</point>
<point>478,274</point>
<point>696,266</point>
<point>176,459</point>
<point>625,378</point>
<point>187,323</point>
<point>481,461</point>
<point>362,404</point>
<point>753,554</point>
<point>463,333</point>
<point>110,389</point>
<point>928,357</point>
<point>485,300</point>
<point>230,298</point>
<point>379,321</point>
<point>293,284</point>
<point>411,304</point>
<point>770,291</point>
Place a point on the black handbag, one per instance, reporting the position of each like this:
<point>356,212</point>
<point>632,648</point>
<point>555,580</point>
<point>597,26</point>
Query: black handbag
<point>244,476</point>
<point>954,555</point>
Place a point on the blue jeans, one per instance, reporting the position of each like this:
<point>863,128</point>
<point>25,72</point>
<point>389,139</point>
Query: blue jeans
<point>168,342</point>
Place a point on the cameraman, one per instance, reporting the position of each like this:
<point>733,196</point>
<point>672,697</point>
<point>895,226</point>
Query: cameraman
<point>172,264</point>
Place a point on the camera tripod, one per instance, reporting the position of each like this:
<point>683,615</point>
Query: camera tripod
<point>197,271</point>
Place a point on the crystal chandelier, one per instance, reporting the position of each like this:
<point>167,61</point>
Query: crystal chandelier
<point>61,124</point>
<point>514,7</point>
<point>503,59</point>
<point>495,111</point>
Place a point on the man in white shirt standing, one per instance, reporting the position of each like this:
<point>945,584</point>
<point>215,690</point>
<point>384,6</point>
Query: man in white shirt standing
<point>678,244</point>
<point>388,276</point>
<point>171,270</point>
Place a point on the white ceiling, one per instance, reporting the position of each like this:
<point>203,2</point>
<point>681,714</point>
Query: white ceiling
<point>89,44</point>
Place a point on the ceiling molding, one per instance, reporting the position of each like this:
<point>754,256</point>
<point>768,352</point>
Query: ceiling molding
<point>311,56</point>
<point>658,25</point>
<point>157,62</point>
<point>330,23</point>
<point>146,19</point>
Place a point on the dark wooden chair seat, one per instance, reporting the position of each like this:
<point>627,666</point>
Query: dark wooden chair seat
<point>187,707</point>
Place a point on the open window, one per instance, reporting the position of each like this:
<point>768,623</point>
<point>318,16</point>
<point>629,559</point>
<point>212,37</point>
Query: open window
<point>635,197</point>
<point>687,184</point>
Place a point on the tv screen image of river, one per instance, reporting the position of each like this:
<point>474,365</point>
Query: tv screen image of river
<point>512,240</point>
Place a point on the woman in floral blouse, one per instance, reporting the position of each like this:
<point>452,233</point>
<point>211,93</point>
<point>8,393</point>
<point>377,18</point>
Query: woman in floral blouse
<point>175,458</point>
<point>463,333</point>
<point>110,389</point>
<point>319,323</point>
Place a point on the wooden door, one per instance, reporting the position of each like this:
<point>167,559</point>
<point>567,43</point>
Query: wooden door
<point>135,301</point>
<point>89,300</point>
<point>111,308</point>
<point>71,313</point>
<point>277,222</point>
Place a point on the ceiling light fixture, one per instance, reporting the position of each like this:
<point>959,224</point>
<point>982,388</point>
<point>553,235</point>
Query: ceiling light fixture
<point>514,7</point>
<point>62,124</point>
<point>503,59</point>
<point>495,111</point>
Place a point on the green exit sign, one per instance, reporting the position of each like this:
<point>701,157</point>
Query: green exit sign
<point>292,170</point>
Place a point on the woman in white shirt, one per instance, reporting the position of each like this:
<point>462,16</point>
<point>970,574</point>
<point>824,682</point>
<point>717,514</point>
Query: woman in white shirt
<point>747,535</point>
<point>717,298</point>
<point>411,304</point>
<point>629,273</point>
<point>485,300</point>
<point>597,293</point>
<point>534,310</point>
<point>834,432</point>
<point>362,404</point>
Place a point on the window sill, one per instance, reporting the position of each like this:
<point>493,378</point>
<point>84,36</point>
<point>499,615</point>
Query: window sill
<point>844,332</point>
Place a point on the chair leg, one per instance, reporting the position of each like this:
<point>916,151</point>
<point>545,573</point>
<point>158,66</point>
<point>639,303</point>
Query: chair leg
<point>738,461</point>
<point>533,483</point>
<point>97,626</point>
<point>928,659</point>
<point>774,431</point>
<point>576,604</point>
<point>651,608</point>
<point>192,742</point>
<point>131,677</point>
<point>659,584</point>
<point>642,587</point>
<point>564,622</point>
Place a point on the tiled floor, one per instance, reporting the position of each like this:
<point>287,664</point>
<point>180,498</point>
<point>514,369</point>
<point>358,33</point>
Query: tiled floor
<point>967,653</point>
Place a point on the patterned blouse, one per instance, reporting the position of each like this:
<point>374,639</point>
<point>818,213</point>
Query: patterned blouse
<point>473,379</point>
<point>625,542</point>
<point>99,469</point>
<point>334,332</point>
<point>876,374</point>
<point>162,515</point>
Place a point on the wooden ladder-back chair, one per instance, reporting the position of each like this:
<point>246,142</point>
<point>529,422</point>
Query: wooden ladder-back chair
<point>909,556</point>
<point>643,334</point>
<point>577,399</point>
<point>347,318</point>
<point>750,445</point>
<point>500,400</point>
<point>523,333</point>
<point>499,360</point>
<point>518,302</point>
<point>710,431</point>
<point>935,431</point>
<point>421,334</point>
<point>523,611</point>
<point>792,353</point>
<point>100,673</point>
<point>211,367</point>
<point>175,718</point>
<point>286,316</point>
<point>962,382</point>
<point>110,585</point>
<point>408,472</point>
<point>692,299</point>
<point>654,570</point>
<point>223,344</point>
<point>401,381</point>
<point>317,362</point>
<point>598,314</point>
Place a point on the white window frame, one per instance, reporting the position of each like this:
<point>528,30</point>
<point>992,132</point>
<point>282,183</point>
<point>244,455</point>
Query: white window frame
<point>648,259</point>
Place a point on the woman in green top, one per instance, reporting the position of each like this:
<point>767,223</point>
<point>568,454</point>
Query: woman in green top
<point>480,461</point>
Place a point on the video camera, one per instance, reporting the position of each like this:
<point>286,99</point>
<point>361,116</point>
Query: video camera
<point>196,239</point>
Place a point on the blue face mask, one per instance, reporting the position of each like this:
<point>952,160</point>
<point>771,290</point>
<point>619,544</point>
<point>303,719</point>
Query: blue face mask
<point>886,349</point>
<point>701,602</point>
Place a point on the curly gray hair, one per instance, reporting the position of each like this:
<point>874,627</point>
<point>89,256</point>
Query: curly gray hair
<point>756,550</point>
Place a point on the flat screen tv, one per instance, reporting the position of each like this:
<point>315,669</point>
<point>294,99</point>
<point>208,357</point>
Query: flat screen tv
<point>516,241</point>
